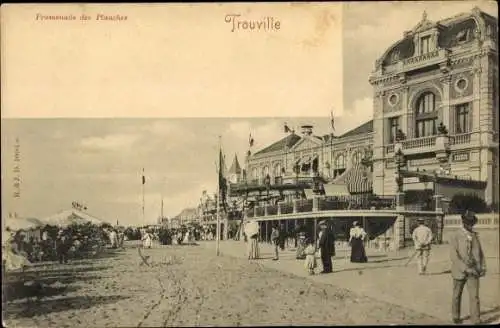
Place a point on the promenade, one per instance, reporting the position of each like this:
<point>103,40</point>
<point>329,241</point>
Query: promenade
<point>189,286</point>
<point>386,278</point>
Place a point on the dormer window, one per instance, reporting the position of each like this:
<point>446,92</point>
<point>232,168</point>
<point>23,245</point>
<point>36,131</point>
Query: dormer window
<point>425,44</point>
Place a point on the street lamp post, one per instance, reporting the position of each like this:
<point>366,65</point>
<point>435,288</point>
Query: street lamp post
<point>400,163</point>
<point>443,157</point>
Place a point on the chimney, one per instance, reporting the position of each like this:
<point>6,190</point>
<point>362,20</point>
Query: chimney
<point>307,129</point>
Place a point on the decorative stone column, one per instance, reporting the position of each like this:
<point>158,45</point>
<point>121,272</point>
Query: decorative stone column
<point>315,205</point>
<point>255,211</point>
<point>399,225</point>
<point>265,209</point>
<point>294,206</point>
<point>279,208</point>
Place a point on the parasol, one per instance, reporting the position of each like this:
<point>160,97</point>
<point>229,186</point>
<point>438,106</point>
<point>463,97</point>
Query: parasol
<point>16,224</point>
<point>251,228</point>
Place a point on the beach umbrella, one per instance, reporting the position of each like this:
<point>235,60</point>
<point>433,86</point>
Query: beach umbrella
<point>251,228</point>
<point>16,224</point>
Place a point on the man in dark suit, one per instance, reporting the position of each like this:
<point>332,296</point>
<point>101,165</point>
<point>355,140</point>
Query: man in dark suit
<point>467,266</point>
<point>326,244</point>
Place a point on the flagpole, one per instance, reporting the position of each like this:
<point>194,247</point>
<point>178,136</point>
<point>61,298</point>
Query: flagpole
<point>331,144</point>
<point>217,245</point>
<point>143,183</point>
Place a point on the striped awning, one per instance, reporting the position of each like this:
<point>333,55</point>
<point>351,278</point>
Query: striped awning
<point>359,180</point>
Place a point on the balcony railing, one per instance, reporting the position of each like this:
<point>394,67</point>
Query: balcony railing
<point>460,139</point>
<point>430,141</point>
<point>423,142</point>
<point>422,58</point>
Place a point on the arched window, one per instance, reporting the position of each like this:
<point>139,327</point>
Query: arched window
<point>277,170</point>
<point>340,162</point>
<point>426,115</point>
<point>255,174</point>
<point>356,158</point>
<point>265,171</point>
<point>339,165</point>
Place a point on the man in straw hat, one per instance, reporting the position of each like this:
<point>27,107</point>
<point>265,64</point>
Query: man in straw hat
<point>467,266</point>
<point>326,244</point>
<point>422,238</point>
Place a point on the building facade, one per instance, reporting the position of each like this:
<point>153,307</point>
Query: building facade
<point>438,87</point>
<point>439,72</point>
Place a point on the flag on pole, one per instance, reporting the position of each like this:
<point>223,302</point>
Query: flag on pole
<point>250,140</point>
<point>222,179</point>
<point>143,177</point>
<point>333,122</point>
<point>287,129</point>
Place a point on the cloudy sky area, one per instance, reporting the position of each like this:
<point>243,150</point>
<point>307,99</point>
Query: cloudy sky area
<point>99,161</point>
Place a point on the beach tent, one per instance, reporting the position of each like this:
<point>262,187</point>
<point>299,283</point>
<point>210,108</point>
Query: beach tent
<point>16,224</point>
<point>68,217</point>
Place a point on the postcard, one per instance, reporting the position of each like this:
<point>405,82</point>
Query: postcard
<point>229,164</point>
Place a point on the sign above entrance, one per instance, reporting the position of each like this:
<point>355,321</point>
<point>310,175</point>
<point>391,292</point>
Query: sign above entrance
<point>411,180</point>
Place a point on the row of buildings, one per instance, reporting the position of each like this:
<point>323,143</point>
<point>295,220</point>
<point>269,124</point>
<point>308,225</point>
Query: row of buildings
<point>434,131</point>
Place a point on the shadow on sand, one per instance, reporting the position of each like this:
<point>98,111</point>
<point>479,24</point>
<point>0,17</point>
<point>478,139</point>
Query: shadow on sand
<point>28,292</point>
<point>492,315</point>
<point>439,273</point>
<point>57,305</point>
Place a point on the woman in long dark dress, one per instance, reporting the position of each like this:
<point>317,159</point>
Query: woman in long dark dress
<point>356,240</point>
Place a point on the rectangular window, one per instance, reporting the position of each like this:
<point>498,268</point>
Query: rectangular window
<point>462,118</point>
<point>426,128</point>
<point>393,129</point>
<point>425,43</point>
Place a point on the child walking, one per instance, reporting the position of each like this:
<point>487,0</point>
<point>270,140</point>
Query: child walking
<point>310,251</point>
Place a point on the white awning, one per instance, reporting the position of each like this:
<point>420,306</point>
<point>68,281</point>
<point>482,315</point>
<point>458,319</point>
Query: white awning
<point>336,189</point>
<point>309,193</point>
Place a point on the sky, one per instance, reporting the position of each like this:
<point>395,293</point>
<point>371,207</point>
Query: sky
<point>98,162</point>
<point>164,63</point>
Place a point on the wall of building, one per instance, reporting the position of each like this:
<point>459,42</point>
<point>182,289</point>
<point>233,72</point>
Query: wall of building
<point>462,74</point>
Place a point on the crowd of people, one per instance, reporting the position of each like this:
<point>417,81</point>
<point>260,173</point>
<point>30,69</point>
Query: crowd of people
<point>466,255</point>
<point>169,236</point>
<point>53,243</point>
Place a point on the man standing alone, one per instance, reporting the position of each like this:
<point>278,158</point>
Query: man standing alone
<point>467,266</point>
<point>422,238</point>
<point>275,239</point>
<point>326,245</point>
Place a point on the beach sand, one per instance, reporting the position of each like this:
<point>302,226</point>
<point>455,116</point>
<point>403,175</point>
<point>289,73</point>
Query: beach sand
<point>190,286</point>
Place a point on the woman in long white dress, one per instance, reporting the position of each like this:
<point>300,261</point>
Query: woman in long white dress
<point>187,238</point>
<point>147,239</point>
<point>252,233</point>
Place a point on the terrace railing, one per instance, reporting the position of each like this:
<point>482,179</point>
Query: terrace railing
<point>272,210</point>
<point>335,203</point>
<point>286,208</point>
<point>305,206</point>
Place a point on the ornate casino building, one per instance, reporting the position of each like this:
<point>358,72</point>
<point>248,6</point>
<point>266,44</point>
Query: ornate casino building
<point>434,133</point>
